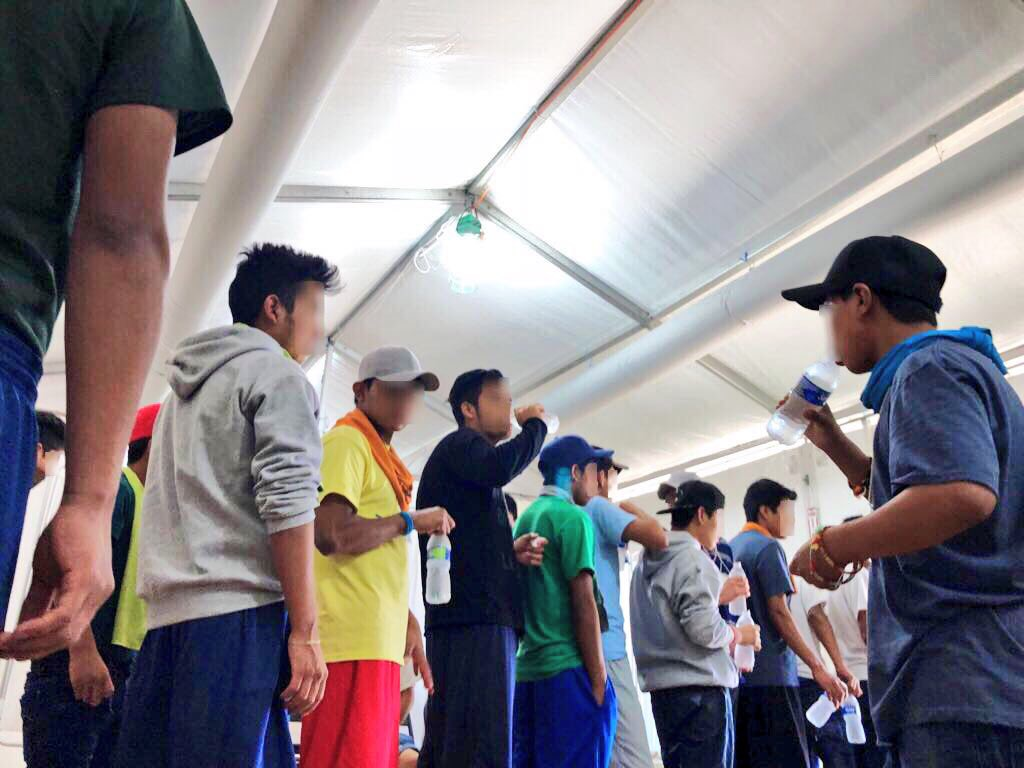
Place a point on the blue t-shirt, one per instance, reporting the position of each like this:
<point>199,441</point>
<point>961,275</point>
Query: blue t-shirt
<point>723,559</point>
<point>946,625</point>
<point>764,562</point>
<point>609,522</point>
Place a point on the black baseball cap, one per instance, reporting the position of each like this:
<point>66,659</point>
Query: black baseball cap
<point>892,265</point>
<point>697,493</point>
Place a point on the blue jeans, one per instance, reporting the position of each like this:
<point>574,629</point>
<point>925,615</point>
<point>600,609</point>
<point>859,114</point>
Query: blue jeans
<point>695,726</point>
<point>60,732</point>
<point>20,370</point>
<point>959,745</point>
<point>207,694</point>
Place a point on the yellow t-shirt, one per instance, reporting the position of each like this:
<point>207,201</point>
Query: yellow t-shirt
<point>130,619</point>
<point>364,599</point>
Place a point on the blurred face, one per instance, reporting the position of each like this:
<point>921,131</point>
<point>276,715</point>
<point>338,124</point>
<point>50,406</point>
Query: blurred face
<point>852,328</point>
<point>493,414</point>
<point>608,482</point>
<point>705,529</point>
<point>47,463</point>
<point>301,331</point>
<point>584,483</point>
<point>391,406</point>
<point>781,523</point>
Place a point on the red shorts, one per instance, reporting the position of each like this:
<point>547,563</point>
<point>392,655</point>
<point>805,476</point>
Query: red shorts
<point>356,725</point>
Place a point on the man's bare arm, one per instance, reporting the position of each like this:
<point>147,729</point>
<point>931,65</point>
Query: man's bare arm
<point>117,271</point>
<point>822,629</point>
<point>919,517</point>
<point>782,620</point>
<point>587,627</point>
<point>645,530</point>
<point>339,530</point>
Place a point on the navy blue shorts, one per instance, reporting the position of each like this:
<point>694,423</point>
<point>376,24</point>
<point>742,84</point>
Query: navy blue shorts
<point>207,694</point>
<point>557,723</point>
<point>20,369</point>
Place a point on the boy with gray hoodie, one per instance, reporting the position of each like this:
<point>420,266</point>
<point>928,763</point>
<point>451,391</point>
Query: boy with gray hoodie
<point>226,551</point>
<point>683,646</point>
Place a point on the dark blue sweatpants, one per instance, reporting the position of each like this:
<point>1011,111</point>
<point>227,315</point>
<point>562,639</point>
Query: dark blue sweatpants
<point>20,369</point>
<point>557,723</point>
<point>206,694</point>
<point>60,732</point>
<point>468,720</point>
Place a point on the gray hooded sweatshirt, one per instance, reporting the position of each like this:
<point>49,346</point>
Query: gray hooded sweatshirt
<point>235,458</point>
<point>679,637</point>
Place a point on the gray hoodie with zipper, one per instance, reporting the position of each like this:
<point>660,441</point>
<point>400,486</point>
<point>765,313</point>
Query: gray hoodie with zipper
<point>679,637</point>
<point>235,458</point>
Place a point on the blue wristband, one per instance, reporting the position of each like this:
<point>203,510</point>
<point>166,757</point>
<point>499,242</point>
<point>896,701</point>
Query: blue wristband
<point>408,522</point>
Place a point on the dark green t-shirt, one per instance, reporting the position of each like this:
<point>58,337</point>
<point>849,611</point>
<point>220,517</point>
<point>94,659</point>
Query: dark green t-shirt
<point>549,643</point>
<point>61,61</point>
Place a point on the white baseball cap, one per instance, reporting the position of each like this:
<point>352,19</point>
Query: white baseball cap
<point>396,364</point>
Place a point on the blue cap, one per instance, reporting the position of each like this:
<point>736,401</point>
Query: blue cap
<point>570,451</point>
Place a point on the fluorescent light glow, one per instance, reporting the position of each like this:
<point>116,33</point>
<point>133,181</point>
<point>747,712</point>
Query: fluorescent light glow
<point>740,458</point>
<point>463,257</point>
<point>496,258</point>
<point>1017,370</point>
<point>640,489</point>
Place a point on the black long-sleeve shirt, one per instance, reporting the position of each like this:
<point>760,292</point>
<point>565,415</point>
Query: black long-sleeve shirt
<point>465,474</point>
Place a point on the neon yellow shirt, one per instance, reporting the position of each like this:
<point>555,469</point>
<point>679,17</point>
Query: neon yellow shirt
<point>130,619</point>
<point>363,599</point>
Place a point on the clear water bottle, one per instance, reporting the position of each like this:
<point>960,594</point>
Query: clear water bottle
<point>744,654</point>
<point>851,717</point>
<point>439,566</point>
<point>821,711</point>
<point>787,424</point>
<point>738,605</point>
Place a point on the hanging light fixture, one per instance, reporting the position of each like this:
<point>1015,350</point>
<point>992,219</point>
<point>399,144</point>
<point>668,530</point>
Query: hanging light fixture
<point>461,255</point>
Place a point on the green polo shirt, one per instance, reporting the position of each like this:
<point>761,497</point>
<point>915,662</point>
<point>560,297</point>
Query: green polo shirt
<point>60,62</point>
<point>549,643</point>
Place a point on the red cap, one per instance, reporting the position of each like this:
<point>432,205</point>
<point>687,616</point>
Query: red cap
<point>144,421</point>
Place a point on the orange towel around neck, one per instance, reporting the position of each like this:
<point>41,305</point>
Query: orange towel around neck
<point>392,466</point>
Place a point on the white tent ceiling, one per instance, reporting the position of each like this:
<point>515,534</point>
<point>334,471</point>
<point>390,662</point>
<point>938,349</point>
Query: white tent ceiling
<point>703,131</point>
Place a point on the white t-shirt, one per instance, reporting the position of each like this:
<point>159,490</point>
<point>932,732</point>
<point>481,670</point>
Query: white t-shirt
<point>806,597</point>
<point>842,607</point>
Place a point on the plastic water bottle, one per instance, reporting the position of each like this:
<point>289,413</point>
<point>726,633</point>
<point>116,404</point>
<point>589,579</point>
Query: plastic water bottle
<point>854,725</point>
<point>439,565</point>
<point>738,605</point>
<point>744,654</point>
<point>550,419</point>
<point>821,711</point>
<point>787,424</point>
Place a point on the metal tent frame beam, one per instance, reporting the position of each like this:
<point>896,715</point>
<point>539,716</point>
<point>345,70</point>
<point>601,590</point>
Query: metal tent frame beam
<point>605,39</point>
<point>738,381</point>
<point>830,206</point>
<point>573,269</point>
<point>305,193</point>
<point>396,269</point>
